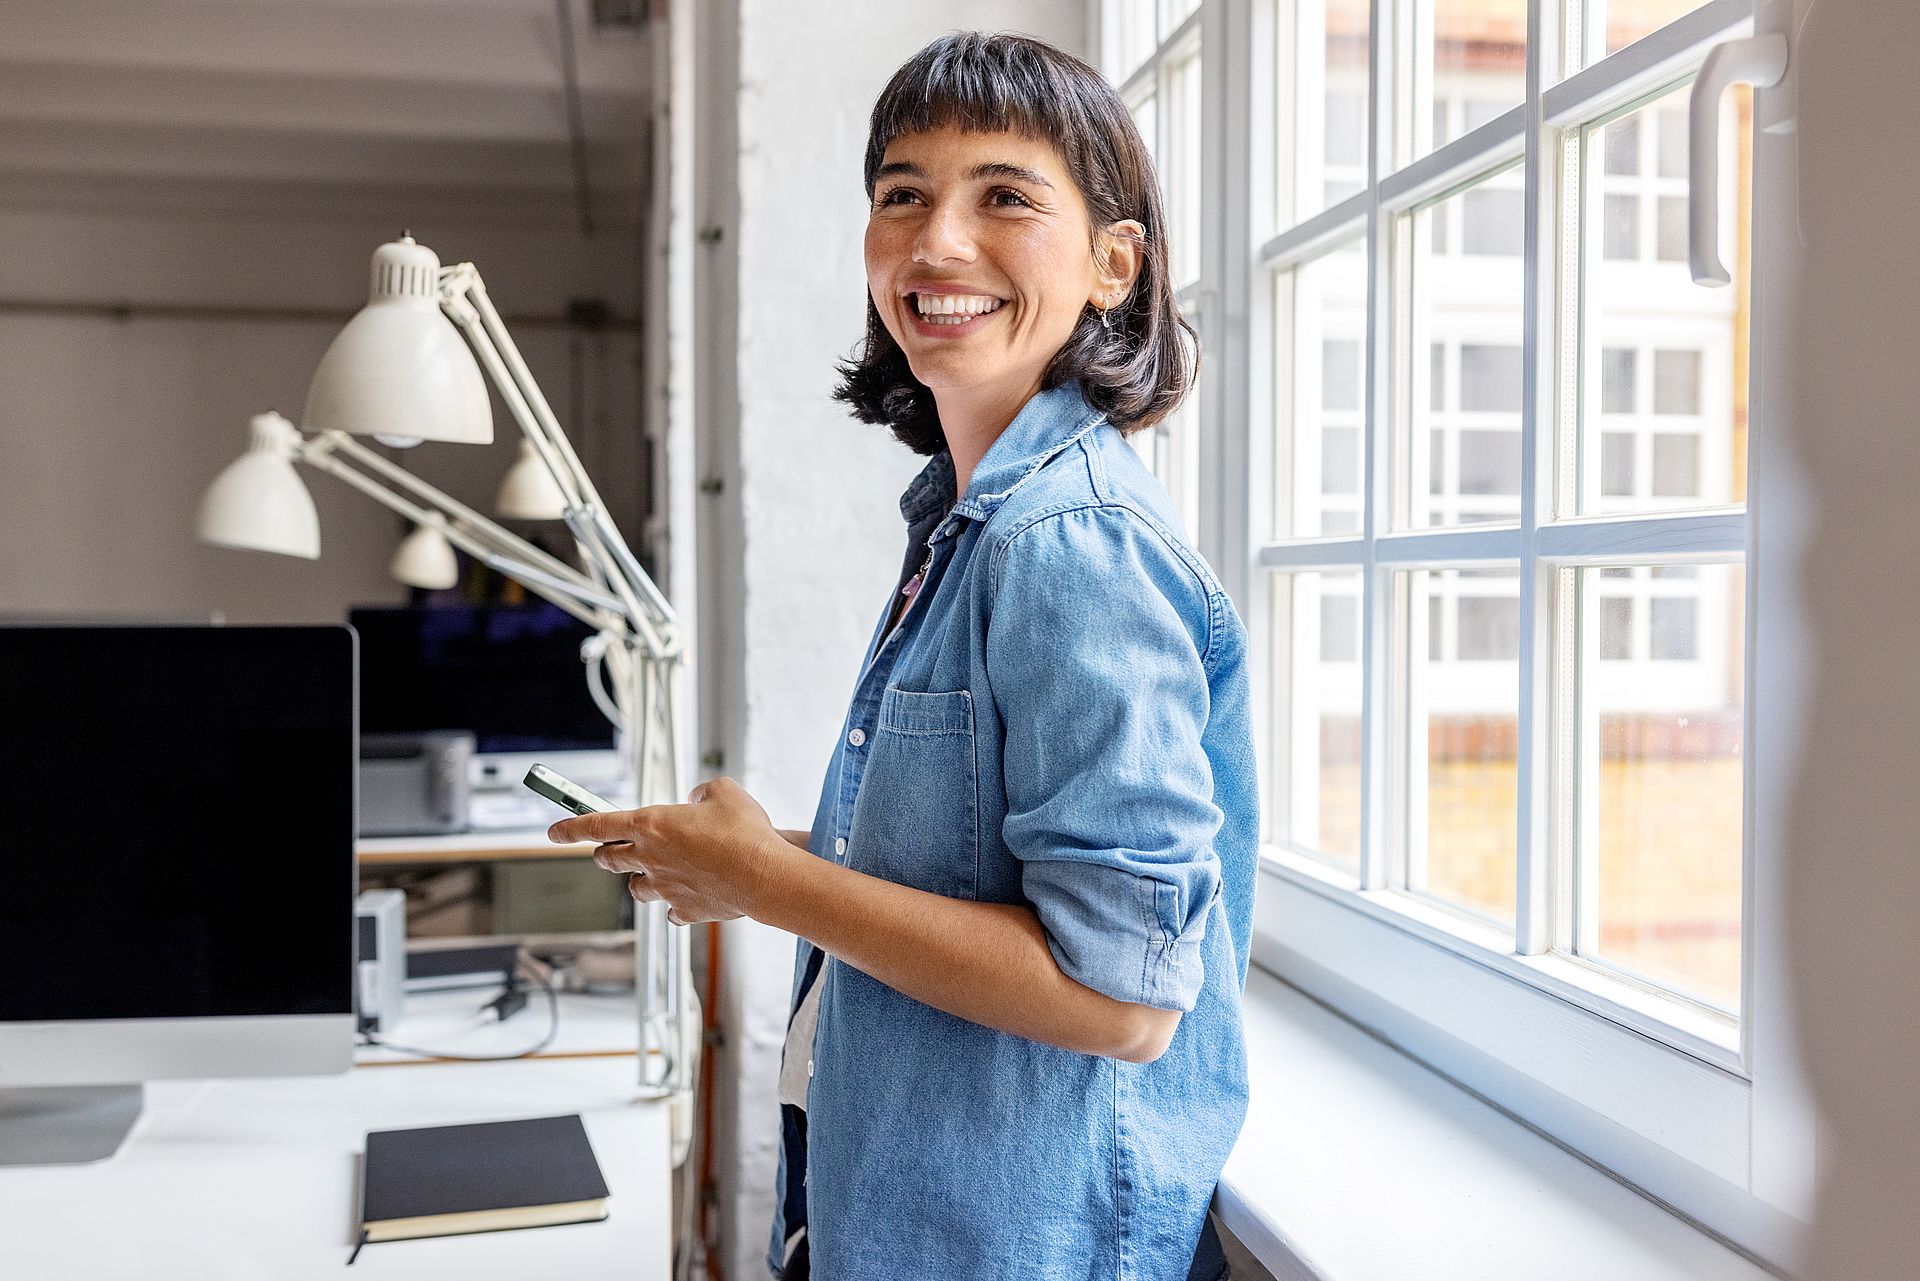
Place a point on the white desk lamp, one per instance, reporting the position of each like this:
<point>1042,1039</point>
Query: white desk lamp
<point>400,373</point>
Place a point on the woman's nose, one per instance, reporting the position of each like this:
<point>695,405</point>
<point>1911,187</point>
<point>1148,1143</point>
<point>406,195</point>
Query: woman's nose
<point>944,237</point>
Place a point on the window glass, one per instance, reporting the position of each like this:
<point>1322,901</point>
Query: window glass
<point>1339,461</point>
<point>1664,414</point>
<point>1616,464</point>
<point>1676,465</point>
<point>1615,24</point>
<point>1321,106</point>
<point>1659,854</point>
<point>1494,223</point>
<point>1490,377</point>
<point>1316,791</point>
<point>1180,172</point>
<point>1319,395</point>
<point>1472,50</point>
<point>1676,382</point>
<point>1461,787</point>
<point>1489,462</point>
<point>1616,380</point>
<point>1465,312</point>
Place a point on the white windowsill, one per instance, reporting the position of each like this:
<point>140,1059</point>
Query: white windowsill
<point>1358,1163</point>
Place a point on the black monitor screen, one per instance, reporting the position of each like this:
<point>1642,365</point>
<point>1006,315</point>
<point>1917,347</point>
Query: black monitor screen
<point>510,673</point>
<point>177,838</point>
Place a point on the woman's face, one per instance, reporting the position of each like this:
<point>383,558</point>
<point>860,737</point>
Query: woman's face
<point>979,258</point>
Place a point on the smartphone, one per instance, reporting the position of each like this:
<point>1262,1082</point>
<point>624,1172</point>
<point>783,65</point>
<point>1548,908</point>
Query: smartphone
<point>566,793</point>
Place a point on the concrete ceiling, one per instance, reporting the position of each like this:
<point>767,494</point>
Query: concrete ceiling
<point>322,105</point>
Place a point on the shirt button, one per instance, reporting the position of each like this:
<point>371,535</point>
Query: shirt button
<point>839,845</point>
<point>857,737</point>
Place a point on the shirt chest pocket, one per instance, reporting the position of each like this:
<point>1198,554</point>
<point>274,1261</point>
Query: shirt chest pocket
<point>916,820</point>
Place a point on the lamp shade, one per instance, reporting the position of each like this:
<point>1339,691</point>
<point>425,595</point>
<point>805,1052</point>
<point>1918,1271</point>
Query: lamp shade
<point>258,503</point>
<point>528,490</point>
<point>400,369</point>
<point>425,557</point>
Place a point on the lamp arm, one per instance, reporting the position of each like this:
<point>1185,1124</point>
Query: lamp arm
<point>465,300</point>
<point>584,603</point>
<point>339,442</point>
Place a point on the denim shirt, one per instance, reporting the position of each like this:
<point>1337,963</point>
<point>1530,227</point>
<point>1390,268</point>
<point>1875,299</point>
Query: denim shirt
<point>1060,719</point>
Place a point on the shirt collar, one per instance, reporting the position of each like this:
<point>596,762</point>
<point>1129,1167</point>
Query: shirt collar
<point>1045,425</point>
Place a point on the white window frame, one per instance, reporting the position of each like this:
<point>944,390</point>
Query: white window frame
<point>1707,1117</point>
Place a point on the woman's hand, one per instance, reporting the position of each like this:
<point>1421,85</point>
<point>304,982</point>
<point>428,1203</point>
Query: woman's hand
<point>711,859</point>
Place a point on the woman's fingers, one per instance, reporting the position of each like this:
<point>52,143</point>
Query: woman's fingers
<point>618,856</point>
<point>638,886</point>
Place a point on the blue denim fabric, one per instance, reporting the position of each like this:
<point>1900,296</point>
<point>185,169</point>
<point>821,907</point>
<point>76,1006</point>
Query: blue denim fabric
<point>1062,720</point>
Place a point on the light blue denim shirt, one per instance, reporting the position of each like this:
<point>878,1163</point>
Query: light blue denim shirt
<point>1061,719</point>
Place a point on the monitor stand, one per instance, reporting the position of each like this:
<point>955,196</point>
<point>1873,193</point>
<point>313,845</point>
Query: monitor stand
<point>66,1125</point>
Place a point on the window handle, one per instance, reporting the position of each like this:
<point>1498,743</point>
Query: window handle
<point>1759,61</point>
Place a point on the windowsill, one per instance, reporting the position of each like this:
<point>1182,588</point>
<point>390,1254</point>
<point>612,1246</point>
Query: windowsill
<point>1356,1162</point>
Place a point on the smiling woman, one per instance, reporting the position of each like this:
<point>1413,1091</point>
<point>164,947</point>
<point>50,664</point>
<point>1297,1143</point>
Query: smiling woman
<point>1025,901</point>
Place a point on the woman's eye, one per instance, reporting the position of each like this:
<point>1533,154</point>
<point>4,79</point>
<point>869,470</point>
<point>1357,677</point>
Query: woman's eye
<point>1007,197</point>
<point>896,196</point>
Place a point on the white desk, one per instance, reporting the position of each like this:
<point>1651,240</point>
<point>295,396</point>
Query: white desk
<point>247,1180</point>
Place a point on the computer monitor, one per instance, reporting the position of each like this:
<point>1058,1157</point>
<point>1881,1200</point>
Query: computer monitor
<point>176,867</point>
<point>512,674</point>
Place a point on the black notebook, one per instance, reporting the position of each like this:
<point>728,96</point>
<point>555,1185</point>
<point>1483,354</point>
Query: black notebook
<point>448,1179</point>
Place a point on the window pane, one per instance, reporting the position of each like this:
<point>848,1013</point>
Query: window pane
<point>1660,845</point>
<point>1339,629</point>
<point>1623,227</point>
<point>1340,369</point>
<point>1464,314</point>
<point>1173,13</point>
<point>1676,382</point>
<point>1130,35</point>
<point>1346,142</point>
<point>1490,378</point>
<point>1616,628</point>
<point>1665,349</point>
<point>1616,463</point>
<point>1321,105</point>
<point>1623,146</point>
<point>1676,465</point>
<point>1320,313</point>
<point>1479,51</point>
<point>1463,702</point>
<point>1616,380</point>
<point>1673,143</point>
<point>1340,460</point>
<point>1672,629</point>
<point>1180,172</point>
<point>1625,21</point>
<point>1494,222</point>
<point>1670,236</point>
<point>1489,462</point>
<point>1317,785</point>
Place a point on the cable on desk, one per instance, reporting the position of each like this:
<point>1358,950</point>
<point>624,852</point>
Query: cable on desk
<point>553,1030</point>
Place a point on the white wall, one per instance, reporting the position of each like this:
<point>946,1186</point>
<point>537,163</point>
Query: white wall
<point>113,424</point>
<point>800,546</point>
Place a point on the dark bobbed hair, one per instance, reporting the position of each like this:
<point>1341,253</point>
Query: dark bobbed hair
<point>1135,372</point>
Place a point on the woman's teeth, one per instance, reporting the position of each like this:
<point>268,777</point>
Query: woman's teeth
<point>953,309</point>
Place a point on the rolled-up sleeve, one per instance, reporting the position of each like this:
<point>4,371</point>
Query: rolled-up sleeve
<point>1096,652</point>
